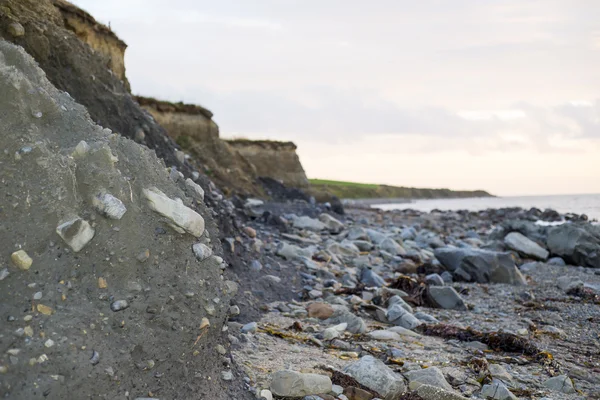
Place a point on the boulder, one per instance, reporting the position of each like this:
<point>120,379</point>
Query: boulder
<point>375,375</point>
<point>561,383</point>
<point>577,244</point>
<point>525,246</point>
<point>288,383</point>
<point>446,297</point>
<point>482,266</point>
<point>397,315</point>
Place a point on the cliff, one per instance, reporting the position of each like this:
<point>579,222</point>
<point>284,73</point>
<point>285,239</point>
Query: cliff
<point>99,37</point>
<point>193,128</point>
<point>277,160</point>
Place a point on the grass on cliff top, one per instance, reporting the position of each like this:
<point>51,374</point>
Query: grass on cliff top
<point>353,190</point>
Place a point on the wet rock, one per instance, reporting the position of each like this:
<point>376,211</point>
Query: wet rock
<point>295,384</point>
<point>561,383</point>
<point>76,233</point>
<point>109,206</point>
<point>331,224</point>
<point>21,260</point>
<point>201,251</point>
<point>181,216</point>
<point>576,244</point>
<point>525,246</point>
<point>432,376</point>
<point>483,266</point>
<point>319,310</point>
<point>446,297</point>
<point>308,223</point>
<point>375,375</point>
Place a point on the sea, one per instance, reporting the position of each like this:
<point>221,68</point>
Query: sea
<point>588,204</point>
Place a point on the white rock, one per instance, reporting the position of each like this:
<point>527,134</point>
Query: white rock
<point>81,149</point>
<point>76,233</point>
<point>308,223</point>
<point>334,331</point>
<point>522,244</point>
<point>182,216</point>
<point>108,205</point>
<point>295,384</point>
<point>375,375</point>
<point>201,251</point>
<point>385,335</point>
<point>332,224</point>
<point>266,394</point>
<point>197,191</point>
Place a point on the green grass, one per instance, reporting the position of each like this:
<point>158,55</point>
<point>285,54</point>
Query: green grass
<point>353,190</point>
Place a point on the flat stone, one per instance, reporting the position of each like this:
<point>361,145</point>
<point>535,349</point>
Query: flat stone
<point>497,391</point>
<point>308,223</point>
<point>355,323</point>
<point>180,215</point>
<point>295,384</point>
<point>499,372</point>
<point>76,233</point>
<point>375,375</point>
<point>561,383</point>
<point>331,224</point>
<point>392,247</point>
<point>384,335</point>
<point>319,310</point>
<point>266,394</point>
<point>21,259</point>
<point>446,297</point>
<point>334,331</point>
<point>432,376</point>
<point>525,246</point>
<point>109,206</point>
<point>428,392</point>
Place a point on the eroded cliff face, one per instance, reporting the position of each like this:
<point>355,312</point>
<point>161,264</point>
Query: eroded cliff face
<point>194,130</point>
<point>277,160</point>
<point>99,37</point>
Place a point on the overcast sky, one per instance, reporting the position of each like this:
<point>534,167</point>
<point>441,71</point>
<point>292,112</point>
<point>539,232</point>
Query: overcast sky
<point>501,95</point>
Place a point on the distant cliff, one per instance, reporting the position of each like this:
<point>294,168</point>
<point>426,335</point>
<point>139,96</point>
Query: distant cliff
<point>277,160</point>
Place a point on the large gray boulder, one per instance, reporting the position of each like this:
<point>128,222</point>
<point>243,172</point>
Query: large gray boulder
<point>525,246</point>
<point>483,266</point>
<point>576,244</point>
<point>377,376</point>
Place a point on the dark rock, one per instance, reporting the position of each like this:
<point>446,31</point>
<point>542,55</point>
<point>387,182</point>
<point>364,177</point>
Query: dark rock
<point>578,244</point>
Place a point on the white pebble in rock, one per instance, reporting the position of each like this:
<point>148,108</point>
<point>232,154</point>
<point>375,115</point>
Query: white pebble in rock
<point>109,206</point>
<point>201,251</point>
<point>76,233</point>
<point>182,216</point>
<point>119,305</point>
<point>227,375</point>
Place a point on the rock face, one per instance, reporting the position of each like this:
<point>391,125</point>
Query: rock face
<point>377,376</point>
<point>277,160</point>
<point>483,266</point>
<point>578,245</point>
<point>40,129</point>
<point>525,246</point>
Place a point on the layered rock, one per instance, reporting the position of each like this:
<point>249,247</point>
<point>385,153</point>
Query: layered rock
<point>272,159</point>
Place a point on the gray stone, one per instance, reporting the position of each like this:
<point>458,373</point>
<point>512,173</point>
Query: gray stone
<point>196,190</point>
<point>288,383</point>
<point>482,266</point>
<point>291,251</point>
<point>377,376</point>
<point>109,206</point>
<point>428,376</point>
<point>363,245</point>
<point>183,219</point>
<point>561,383</point>
<point>376,236</point>
<point>16,29</point>
<point>557,261</point>
<point>398,300</point>
<point>576,244</point>
<point>201,251</point>
<point>119,305</point>
<point>334,331</point>
<point>358,233</point>
<point>499,372</point>
<point>428,392</point>
<point>308,223</point>
<point>227,375</point>
<point>434,280</point>
<point>397,315</point>
<point>250,327</point>
<point>525,246</point>
<point>355,324</point>
<point>76,233</point>
<point>4,274</point>
<point>346,250</point>
<point>384,335</point>
<point>446,297</point>
<point>402,331</point>
<point>391,246</point>
<point>370,278</point>
<point>426,317</point>
<point>567,283</point>
<point>331,224</point>
<point>497,390</point>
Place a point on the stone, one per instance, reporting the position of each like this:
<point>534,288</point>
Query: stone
<point>397,315</point>
<point>250,327</point>
<point>396,299</point>
<point>308,223</point>
<point>334,331</point>
<point>195,190</point>
<point>76,233</point>
<point>319,310</point>
<point>358,233</point>
<point>446,297</point>
<point>567,283</point>
<point>331,224</point>
<point>346,250</point>
<point>291,251</point>
<point>201,251</point>
<point>119,305</point>
<point>499,372</point>
<point>561,383</point>
<point>556,261</point>
<point>227,375</point>
<point>255,265</point>
<point>181,216</point>
<point>576,244</point>
<point>354,393</point>
<point>482,266</point>
<point>266,394</point>
<point>434,280</point>
<point>384,335</point>
<point>250,232</point>
<point>109,206</point>
<point>21,260</point>
<point>204,323</point>
<point>370,278</point>
<point>16,29</point>
<point>402,331</point>
<point>295,384</point>
<point>432,376</point>
<point>497,390</point>
<point>525,246</point>
<point>355,324</point>
<point>428,392</point>
<point>375,236</point>
<point>426,317</point>
<point>392,247</point>
<point>4,274</point>
<point>363,245</point>
<point>375,375</point>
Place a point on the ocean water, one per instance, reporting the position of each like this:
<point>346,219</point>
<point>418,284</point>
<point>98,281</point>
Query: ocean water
<point>588,204</point>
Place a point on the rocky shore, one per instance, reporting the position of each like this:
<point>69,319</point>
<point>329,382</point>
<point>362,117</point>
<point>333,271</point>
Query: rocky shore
<point>410,305</point>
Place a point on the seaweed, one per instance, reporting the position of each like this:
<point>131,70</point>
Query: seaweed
<point>417,291</point>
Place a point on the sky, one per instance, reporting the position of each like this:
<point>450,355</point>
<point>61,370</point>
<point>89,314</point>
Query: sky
<point>501,95</point>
